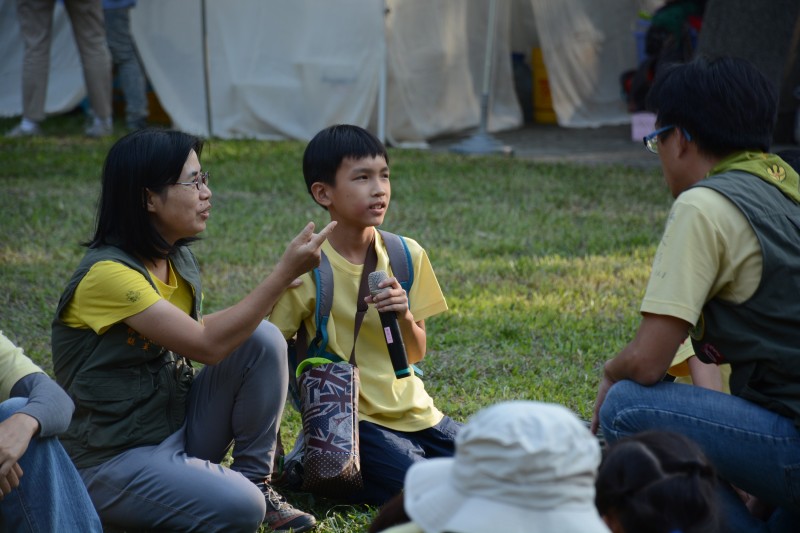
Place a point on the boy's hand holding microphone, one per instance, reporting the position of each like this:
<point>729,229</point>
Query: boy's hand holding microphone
<point>391,329</point>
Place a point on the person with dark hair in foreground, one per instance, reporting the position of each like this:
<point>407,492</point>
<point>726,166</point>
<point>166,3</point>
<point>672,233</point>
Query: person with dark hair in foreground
<point>149,431</point>
<point>657,481</point>
<point>728,271</point>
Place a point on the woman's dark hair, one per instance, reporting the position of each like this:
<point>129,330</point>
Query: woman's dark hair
<point>150,159</point>
<point>658,481</point>
<point>326,151</point>
<point>726,104</point>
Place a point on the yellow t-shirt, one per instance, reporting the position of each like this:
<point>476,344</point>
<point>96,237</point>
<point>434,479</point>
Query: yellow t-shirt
<point>14,365</point>
<point>111,292</point>
<point>708,250</point>
<point>399,404</point>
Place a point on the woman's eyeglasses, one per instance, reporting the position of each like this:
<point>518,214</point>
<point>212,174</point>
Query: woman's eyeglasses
<point>201,179</point>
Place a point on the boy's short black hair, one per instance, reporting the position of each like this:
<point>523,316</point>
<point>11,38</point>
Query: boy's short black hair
<point>726,104</point>
<point>326,151</point>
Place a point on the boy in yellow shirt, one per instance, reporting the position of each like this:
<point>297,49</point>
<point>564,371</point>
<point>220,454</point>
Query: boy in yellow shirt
<point>346,171</point>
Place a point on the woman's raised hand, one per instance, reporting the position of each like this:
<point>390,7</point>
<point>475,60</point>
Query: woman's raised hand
<point>303,253</point>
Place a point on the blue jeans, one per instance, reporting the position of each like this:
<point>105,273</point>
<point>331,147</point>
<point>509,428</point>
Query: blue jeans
<point>51,495</point>
<point>386,455</point>
<point>129,69</point>
<point>751,447</point>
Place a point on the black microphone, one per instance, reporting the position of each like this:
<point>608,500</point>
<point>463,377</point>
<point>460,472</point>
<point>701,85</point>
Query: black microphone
<point>391,330</point>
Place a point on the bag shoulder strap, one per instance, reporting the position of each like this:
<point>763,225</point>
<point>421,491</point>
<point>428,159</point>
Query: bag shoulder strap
<point>370,262</point>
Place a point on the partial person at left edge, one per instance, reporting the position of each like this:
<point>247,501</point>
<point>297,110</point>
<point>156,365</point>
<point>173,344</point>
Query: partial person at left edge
<point>40,490</point>
<point>149,432</point>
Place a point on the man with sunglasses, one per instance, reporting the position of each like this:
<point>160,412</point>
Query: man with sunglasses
<point>727,271</point>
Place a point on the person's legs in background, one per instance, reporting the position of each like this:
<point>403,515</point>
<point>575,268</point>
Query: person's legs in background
<point>51,495</point>
<point>89,29</point>
<point>129,69</point>
<point>35,24</point>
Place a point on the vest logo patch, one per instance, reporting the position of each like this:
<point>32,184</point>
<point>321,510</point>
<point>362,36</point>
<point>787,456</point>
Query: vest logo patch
<point>712,354</point>
<point>777,172</point>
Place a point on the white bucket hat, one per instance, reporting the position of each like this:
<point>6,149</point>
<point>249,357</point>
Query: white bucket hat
<point>519,467</point>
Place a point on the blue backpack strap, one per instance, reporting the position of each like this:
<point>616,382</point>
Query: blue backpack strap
<point>323,278</point>
<point>300,349</point>
<point>399,258</point>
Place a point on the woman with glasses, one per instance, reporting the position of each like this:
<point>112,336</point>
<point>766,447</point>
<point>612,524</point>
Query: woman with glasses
<point>727,271</point>
<point>150,428</point>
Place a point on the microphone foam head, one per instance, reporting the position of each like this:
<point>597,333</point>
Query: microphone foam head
<point>374,279</point>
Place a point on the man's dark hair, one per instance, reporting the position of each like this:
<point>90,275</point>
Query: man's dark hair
<point>326,151</point>
<point>726,104</point>
<point>145,159</point>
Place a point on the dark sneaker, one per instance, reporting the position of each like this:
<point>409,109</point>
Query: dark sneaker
<point>281,516</point>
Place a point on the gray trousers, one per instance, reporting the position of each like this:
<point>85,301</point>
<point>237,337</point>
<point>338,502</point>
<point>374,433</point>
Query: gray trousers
<point>36,25</point>
<point>179,484</point>
<point>129,70</point>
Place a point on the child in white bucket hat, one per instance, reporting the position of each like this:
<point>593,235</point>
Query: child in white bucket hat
<point>519,467</point>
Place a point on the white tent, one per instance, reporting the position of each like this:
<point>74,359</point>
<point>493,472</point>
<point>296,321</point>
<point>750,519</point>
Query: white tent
<point>287,68</point>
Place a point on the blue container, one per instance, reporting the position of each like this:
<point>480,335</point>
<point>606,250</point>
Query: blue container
<point>639,34</point>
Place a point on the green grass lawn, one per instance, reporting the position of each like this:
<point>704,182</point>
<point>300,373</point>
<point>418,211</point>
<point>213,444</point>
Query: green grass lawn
<point>543,265</point>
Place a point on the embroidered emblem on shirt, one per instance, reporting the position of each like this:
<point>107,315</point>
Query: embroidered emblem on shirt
<point>133,296</point>
<point>776,172</point>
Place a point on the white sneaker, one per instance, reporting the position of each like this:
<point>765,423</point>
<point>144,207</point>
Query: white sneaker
<point>22,130</point>
<point>100,128</point>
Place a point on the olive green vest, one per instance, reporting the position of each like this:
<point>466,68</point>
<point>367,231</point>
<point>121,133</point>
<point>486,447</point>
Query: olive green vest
<point>760,337</point>
<point>128,391</point>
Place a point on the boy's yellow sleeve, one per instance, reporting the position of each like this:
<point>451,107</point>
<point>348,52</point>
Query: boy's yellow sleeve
<point>295,306</point>
<point>680,363</point>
